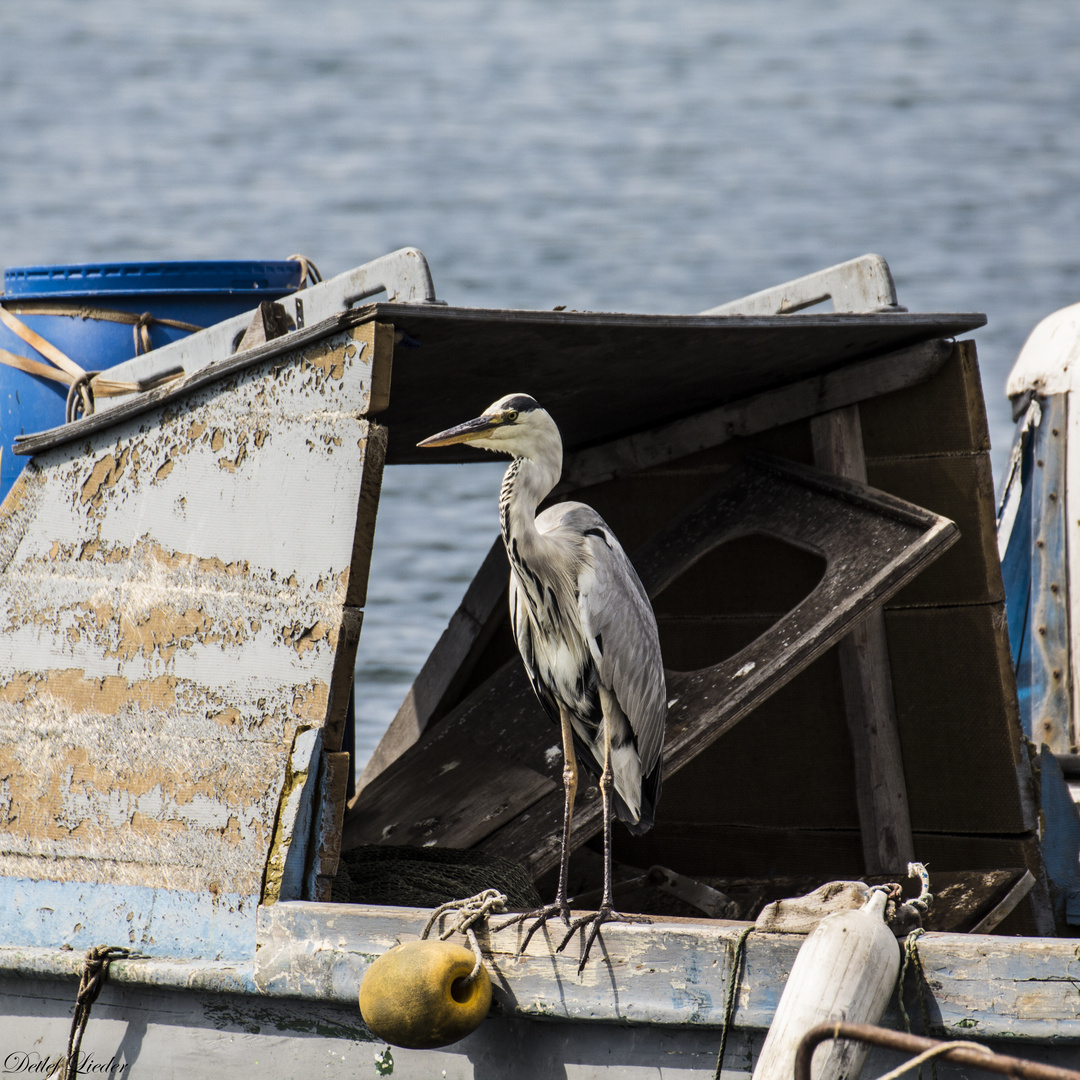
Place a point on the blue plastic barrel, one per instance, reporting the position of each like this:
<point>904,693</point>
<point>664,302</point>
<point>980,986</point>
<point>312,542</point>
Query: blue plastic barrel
<point>196,293</point>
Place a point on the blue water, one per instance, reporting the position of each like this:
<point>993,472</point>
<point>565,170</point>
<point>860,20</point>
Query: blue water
<point>608,154</point>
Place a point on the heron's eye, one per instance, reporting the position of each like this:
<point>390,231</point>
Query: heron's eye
<point>511,416</point>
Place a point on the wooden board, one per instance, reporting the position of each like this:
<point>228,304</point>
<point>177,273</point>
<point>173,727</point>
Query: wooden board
<point>973,686</point>
<point>459,359</point>
<point>179,600</point>
<point>994,986</point>
<point>962,484</point>
<point>944,416</point>
<point>880,788</point>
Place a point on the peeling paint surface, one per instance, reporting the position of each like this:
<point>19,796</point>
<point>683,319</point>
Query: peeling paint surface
<point>173,603</point>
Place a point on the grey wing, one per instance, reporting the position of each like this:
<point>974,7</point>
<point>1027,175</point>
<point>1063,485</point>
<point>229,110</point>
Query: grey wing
<point>620,629</point>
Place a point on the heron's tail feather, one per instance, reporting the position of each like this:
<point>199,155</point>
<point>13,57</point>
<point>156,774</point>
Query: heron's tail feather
<point>650,796</point>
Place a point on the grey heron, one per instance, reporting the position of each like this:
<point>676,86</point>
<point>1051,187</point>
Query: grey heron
<point>586,633</point>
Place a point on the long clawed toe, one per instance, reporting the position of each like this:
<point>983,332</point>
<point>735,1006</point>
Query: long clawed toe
<point>541,917</point>
<point>604,914</point>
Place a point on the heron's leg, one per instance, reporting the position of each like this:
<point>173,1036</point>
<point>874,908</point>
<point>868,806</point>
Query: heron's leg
<point>606,912</point>
<point>570,782</point>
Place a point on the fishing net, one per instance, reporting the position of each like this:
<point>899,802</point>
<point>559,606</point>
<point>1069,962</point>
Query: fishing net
<point>427,877</point>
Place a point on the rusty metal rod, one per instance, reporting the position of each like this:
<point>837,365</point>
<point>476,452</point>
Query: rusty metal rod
<point>916,1044</point>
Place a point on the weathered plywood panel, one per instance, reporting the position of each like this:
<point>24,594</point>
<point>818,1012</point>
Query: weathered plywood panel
<point>178,607</point>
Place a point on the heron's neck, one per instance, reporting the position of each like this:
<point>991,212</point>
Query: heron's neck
<point>524,486</point>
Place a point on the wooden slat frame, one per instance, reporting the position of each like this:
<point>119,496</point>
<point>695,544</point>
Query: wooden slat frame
<point>874,544</point>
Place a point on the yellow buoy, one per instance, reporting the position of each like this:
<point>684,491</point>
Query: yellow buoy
<point>417,995</point>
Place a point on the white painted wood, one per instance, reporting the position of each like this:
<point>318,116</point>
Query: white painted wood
<point>674,970</point>
<point>672,975</point>
<point>1072,551</point>
<point>845,970</point>
<point>403,275</point>
<point>861,284</point>
<point>177,604</point>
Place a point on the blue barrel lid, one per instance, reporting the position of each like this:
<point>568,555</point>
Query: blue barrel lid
<point>139,278</point>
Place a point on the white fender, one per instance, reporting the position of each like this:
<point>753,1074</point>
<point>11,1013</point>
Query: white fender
<point>845,970</point>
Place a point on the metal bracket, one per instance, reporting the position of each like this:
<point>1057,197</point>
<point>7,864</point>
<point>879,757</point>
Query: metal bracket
<point>864,284</point>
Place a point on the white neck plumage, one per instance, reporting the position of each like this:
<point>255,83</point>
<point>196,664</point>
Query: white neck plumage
<point>527,482</point>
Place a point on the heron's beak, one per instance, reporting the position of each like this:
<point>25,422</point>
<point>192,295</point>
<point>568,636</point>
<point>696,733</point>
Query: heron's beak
<point>471,429</point>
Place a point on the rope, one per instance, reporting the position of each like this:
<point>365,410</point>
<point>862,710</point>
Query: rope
<point>80,398</point>
<point>309,272</point>
<point>911,955</point>
<point>39,344</point>
<point>933,1052</point>
<point>471,910</point>
<point>82,385</point>
<point>738,954</point>
<point>925,898</point>
<point>95,970</point>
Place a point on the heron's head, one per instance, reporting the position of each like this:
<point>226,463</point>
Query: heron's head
<point>514,425</point>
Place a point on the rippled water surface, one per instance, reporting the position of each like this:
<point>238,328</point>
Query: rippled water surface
<point>607,155</point>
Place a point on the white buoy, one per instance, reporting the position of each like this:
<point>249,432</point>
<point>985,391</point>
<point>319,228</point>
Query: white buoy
<point>845,970</point>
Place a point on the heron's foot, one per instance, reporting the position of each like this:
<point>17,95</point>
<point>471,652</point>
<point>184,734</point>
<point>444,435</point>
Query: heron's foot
<point>540,917</point>
<point>594,920</point>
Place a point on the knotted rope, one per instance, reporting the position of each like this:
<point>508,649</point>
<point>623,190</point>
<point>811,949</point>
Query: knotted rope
<point>309,272</point>
<point>95,970</point>
<point>470,910</point>
<point>82,385</point>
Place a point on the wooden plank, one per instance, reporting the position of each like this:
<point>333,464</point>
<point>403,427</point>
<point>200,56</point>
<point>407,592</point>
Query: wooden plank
<point>1072,542</point>
<point>297,804</point>
<point>996,987</point>
<point>326,838</point>
<point>173,601</point>
<point>944,416</point>
<point>952,726</point>
<point>762,412</point>
<point>861,284</point>
<point>467,793</point>
<point>463,356</point>
<point>1046,671</point>
<point>880,790</point>
<point>314,339</point>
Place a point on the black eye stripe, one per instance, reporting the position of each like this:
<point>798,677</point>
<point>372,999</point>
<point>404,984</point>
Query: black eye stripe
<point>520,403</point>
